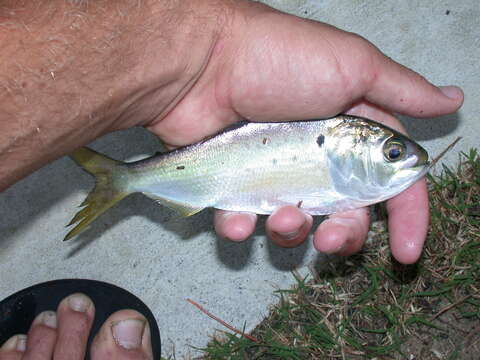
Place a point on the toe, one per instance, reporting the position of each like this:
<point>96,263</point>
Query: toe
<point>75,317</point>
<point>41,337</point>
<point>14,348</point>
<point>124,336</point>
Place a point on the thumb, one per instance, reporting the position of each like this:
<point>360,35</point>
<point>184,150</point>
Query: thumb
<point>402,90</point>
<point>292,68</point>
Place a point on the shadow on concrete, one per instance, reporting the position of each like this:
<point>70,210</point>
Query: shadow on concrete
<point>237,255</point>
<point>428,129</point>
<point>139,205</point>
<point>37,194</point>
<point>286,259</point>
<point>21,204</point>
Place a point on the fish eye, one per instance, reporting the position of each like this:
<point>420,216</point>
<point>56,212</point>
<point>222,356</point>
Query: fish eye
<point>394,150</point>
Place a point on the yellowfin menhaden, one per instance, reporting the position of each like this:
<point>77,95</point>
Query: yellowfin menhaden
<point>327,166</point>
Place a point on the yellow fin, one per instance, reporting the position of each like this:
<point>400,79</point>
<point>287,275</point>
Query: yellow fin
<point>182,209</point>
<point>107,191</point>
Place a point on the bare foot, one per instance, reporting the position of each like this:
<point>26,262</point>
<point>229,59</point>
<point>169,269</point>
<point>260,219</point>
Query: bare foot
<point>62,335</point>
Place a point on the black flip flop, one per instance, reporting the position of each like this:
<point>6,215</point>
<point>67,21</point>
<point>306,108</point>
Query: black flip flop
<point>19,310</point>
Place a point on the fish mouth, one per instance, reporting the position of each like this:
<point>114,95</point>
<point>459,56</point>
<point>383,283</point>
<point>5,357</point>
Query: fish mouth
<point>423,169</point>
<point>422,156</point>
<point>422,159</point>
<point>422,165</point>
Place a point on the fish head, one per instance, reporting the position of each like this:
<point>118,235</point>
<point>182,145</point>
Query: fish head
<point>402,162</point>
<point>370,162</point>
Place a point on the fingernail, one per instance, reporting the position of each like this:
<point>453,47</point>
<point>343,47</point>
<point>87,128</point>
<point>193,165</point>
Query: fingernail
<point>291,235</point>
<point>128,333</point>
<point>453,92</point>
<point>288,235</point>
<point>339,248</point>
<point>237,230</point>
<point>79,302</point>
<point>16,343</point>
<point>47,318</point>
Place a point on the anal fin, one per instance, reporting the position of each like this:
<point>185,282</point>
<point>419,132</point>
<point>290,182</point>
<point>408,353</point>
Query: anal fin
<point>182,209</point>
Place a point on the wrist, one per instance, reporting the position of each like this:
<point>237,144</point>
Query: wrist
<point>168,58</point>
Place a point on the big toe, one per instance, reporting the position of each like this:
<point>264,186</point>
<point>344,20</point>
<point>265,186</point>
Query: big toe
<point>124,336</point>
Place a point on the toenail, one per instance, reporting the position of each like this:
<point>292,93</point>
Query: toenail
<point>47,318</point>
<point>21,343</point>
<point>128,333</point>
<point>79,302</point>
<point>16,343</point>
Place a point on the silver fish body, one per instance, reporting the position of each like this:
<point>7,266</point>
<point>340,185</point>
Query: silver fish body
<point>324,166</point>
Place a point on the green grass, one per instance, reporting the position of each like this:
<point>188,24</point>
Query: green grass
<point>369,306</point>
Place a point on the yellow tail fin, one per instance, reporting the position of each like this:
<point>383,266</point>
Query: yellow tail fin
<point>108,188</point>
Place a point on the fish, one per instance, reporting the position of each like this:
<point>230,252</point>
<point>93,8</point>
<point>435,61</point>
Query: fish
<point>323,166</point>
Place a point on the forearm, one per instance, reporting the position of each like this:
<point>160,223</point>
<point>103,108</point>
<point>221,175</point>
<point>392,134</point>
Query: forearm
<point>73,70</point>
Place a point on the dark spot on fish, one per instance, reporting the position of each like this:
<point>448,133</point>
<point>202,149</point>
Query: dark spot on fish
<point>320,140</point>
<point>180,167</point>
<point>421,111</point>
<point>299,204</point>
<point>401,100</point>
<point>265,140</point>
<point>447,12</point>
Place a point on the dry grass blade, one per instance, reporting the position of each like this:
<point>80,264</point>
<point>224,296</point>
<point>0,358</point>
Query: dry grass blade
<point>217,319</point>
<point>447,149</point>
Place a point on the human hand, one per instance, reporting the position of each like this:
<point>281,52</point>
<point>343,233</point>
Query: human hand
<point>270,66</point>
<point>187,69</point>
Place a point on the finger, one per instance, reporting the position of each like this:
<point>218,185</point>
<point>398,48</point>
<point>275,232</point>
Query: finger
<point>14,348</point>
<point>374,112</point>
<point>75,317</point>
<point>409,211</point>
<point>343,233</point>
<point>288,226</point>
<point>125,335</point>
<point>41,337</point>
<point>234,226</point>
<point>408,222</point>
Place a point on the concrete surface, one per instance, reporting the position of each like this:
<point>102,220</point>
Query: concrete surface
<point>165,259</point>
